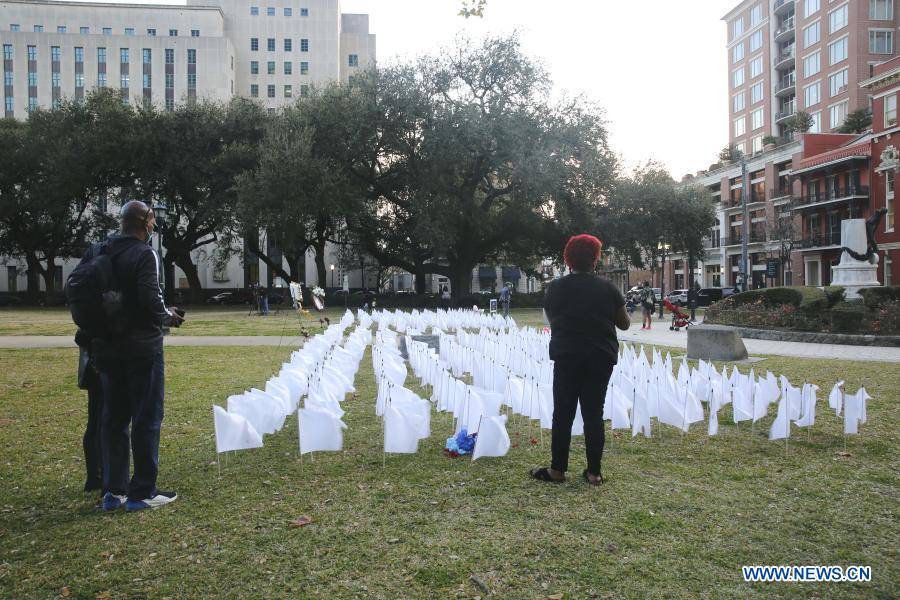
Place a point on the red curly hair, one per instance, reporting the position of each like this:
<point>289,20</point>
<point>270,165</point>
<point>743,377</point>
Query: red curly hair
<point>582,252</point>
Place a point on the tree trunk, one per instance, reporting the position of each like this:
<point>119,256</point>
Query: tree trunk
<point>420,278</point>
<point>33,275</point>
<point>49,283</point>
<point>190,271</point>
<point>320,263</point>
<point>461,279</point>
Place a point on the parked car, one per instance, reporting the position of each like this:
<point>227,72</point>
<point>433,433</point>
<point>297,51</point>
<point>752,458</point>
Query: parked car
<point>228,298</point>
<point>707,296</point>
<point>9,300</point>
<point>678,297</point>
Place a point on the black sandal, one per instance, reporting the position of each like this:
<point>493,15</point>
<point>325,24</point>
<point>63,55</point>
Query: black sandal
<point>543,474</point>
<point>588,481</point>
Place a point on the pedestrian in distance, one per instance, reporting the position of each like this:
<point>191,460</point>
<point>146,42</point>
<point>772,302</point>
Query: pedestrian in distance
<point>505,298</point>
<point>648,302</point>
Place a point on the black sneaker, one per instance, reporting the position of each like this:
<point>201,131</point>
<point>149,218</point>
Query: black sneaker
<point>160,499</point>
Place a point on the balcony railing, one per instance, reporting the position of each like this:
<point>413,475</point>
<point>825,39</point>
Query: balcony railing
<point>735,202</point>
<point>784,115</point>
<point>853,191</point>
<point>785,84</point>
<point>755,236</point>
<point>711,243</point>
<point>784,56</point>
<point>781,192</point>
<point>821,240</point>
<point>785,28</point>
<point>781,3</point>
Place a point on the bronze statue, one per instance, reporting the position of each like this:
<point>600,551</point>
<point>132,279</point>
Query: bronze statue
<point>871,247</point>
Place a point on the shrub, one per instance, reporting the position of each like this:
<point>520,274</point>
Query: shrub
<point>847,317</point>
<point>876,296</point>
<point>809,299</point>
<point>885,320</point>
<point>835,294</point>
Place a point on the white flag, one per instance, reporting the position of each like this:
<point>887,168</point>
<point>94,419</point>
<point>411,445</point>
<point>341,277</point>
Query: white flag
<point>713,428</point>
<point>809,406</point>
<point>781,427</point>
<point>234,432</point>
<point>834,398</point>
<point>492,440</point>
<point>320,430</point>
<point>400,431</point>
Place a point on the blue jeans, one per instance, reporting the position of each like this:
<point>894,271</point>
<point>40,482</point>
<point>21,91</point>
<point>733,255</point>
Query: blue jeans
<point>133,391</point>
<point>264,305</point>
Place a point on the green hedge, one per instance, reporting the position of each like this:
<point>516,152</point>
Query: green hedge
<point>804,298</point>
<point>877,296</point>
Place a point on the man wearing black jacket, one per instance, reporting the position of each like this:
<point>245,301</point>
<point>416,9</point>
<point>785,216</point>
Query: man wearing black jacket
<point>131,367</point>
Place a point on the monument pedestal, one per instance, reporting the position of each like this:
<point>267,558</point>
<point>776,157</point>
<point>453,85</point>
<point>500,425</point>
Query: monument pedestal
<point>852,274</point>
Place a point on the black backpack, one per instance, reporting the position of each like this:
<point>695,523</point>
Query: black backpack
<point>94,297</point>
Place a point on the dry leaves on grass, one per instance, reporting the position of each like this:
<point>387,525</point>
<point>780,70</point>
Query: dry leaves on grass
<point>302,521</point>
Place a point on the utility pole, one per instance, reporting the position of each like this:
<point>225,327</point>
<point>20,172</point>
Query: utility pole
<point>745,222</point>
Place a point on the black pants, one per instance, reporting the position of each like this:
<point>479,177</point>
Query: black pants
<point>579,378</point>
<point>133,392</point>
<point>89,380</point>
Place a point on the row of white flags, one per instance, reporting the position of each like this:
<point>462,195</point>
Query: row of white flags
<point>510,367</point>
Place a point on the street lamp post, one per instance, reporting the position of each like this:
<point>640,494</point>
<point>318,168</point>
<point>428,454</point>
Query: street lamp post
<point>662,276</point>
<point>332,276</point>
<point>160,212</point>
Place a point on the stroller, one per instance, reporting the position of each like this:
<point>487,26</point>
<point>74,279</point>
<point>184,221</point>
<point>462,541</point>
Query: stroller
<point>679,317</point>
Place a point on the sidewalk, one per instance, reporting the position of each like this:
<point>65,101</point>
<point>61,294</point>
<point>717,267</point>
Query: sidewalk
<point>660,335</point>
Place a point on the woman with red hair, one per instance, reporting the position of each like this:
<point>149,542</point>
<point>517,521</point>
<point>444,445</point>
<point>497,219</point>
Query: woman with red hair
<point>583,311</point>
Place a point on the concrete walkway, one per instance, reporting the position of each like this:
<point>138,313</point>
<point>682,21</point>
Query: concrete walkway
<point>660,335</point>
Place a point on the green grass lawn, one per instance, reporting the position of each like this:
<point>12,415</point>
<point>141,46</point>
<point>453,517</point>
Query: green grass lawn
<point>677,517</point>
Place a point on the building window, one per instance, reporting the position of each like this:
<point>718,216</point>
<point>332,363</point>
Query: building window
<point>101,55</point>
<point>889,200</point>
<point>757,144</point>
<point>816,126</point>
<point>881,41</point>
<point>254,67</point>
<point>170,56</point>
<point>756,119</point>
<point>192,81</point>
<point>170,81</point>
<point>353,61</point>
<point>838,114</point>
<point>304,12</point>
<point>304,68</point>
<point>14,27</point>
<point>288,68</point>
<point>270,44</point>
<point>55,53</point>
<point>756,15</point>
<point>32,78</point>
<point>39,29</point>
<point>738,77</point>
<point>151,33</point>
<point>837,83</point>
<point>756,41</point>
<point>124,81</point>
<point>101,80</point>
<point>271,90</point>
<point>288,45</point>
<point>304,90</point>
<point>254,44</point>
<point>147,81</point>
<point>811,35</point>
<point>123,56</point>
<point>737,53</point>
<point>79,55</point>
<point>837,51</point>
<point>7,52</point>
<point>107,31</point>
<point>738,102</point>
<point>148,56</point>
<point>60,29</point>
<point>740,127</point>
<point>9,106</point>
<point>809,7</point>
<point>254,90</point>
<point>881,10</point>
<point>32,53</point>
<point>270,67</point>
<point>195,33</point>
<point>84,30</point>
<point>170,104</point>
<point>288,12</point>
<point>304,45</point>
<point>173,33</point>
<point>79,80</point>
<point>890,110</point>
<point>270,11</point>
<point>129,31</point>
<point>32,103</point>
<point>192,56</point>
<point>254,11</point>
<point>737,27</point>
<point>756,91</point>
<point>288,91</point>
<point>756,66</point>
<point>837,19</point>
<point>811,64</point>
<point>7,77</point>
<point>811,95</point>
<point>54,80</point>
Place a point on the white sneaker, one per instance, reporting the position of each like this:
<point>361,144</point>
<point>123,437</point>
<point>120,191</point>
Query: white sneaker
<point>160,499</point>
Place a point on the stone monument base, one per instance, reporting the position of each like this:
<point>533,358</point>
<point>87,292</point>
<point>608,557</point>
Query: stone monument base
<point>854,275</point>
<point>715,342</point>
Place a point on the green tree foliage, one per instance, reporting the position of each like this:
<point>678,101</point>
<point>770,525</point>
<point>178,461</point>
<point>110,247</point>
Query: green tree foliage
<point>800,121</point>
<point>858,121</point>
<point>472,8</point>
<point>55,168</point>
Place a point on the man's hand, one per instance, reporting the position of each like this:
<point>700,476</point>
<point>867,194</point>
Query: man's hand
<point>176,316</point>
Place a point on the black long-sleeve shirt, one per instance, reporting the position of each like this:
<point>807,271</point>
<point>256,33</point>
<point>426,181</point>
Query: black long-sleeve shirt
<point>136,266</point>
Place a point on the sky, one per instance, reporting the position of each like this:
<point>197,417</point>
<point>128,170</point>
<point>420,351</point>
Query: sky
<point>657,67</point>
